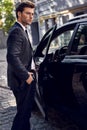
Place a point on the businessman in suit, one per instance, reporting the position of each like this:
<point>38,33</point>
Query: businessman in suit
<point>20,63</point>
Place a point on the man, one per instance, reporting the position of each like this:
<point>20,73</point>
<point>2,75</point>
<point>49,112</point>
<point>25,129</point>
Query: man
<point>20,62</point>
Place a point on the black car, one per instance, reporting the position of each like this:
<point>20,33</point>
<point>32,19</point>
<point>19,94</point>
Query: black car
<point>61,61</point>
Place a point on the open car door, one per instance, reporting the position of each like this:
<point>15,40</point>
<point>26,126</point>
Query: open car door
<point>38,98</point>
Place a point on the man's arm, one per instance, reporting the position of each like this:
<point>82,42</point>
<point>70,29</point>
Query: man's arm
<point>14,48</point>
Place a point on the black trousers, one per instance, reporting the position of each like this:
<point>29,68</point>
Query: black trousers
<point>24,99</point>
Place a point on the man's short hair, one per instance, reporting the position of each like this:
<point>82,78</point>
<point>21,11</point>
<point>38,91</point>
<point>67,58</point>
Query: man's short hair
<point>20,7</point>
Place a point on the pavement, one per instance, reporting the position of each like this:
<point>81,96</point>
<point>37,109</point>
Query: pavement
<point>58,121</point>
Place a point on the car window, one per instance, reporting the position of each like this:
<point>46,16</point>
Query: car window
<point>80,39</point>
<point>60,41</point>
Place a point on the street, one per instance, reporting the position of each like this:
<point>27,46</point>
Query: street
<point>57,121</point>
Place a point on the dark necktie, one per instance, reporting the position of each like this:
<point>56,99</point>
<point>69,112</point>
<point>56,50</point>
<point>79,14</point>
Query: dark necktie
<point>27,35</point>
<point>28,38</point>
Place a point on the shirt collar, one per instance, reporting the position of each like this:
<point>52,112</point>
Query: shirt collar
<point>24,28</point>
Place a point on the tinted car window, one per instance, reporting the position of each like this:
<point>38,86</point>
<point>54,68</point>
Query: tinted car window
<point>80,39</point>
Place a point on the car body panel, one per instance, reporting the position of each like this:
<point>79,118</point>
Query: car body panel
<point>61,62</point>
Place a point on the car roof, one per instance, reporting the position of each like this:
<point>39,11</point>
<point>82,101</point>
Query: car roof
<point>74,21</point>
<point>81,17</point>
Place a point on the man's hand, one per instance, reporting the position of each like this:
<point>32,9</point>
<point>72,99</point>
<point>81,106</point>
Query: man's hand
<point>30,79</point>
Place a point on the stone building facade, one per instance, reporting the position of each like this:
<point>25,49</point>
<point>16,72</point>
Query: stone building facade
<point>50,12</point>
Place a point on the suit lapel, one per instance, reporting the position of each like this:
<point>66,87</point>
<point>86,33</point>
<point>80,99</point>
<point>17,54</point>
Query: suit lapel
<point>26,35</point>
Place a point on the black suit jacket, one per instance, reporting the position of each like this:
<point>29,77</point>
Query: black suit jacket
<point>19,55</point>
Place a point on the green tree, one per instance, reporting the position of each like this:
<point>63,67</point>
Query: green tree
<point>7,17</point>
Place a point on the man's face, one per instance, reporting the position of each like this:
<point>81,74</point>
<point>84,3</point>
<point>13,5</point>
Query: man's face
<point>26,17</point>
